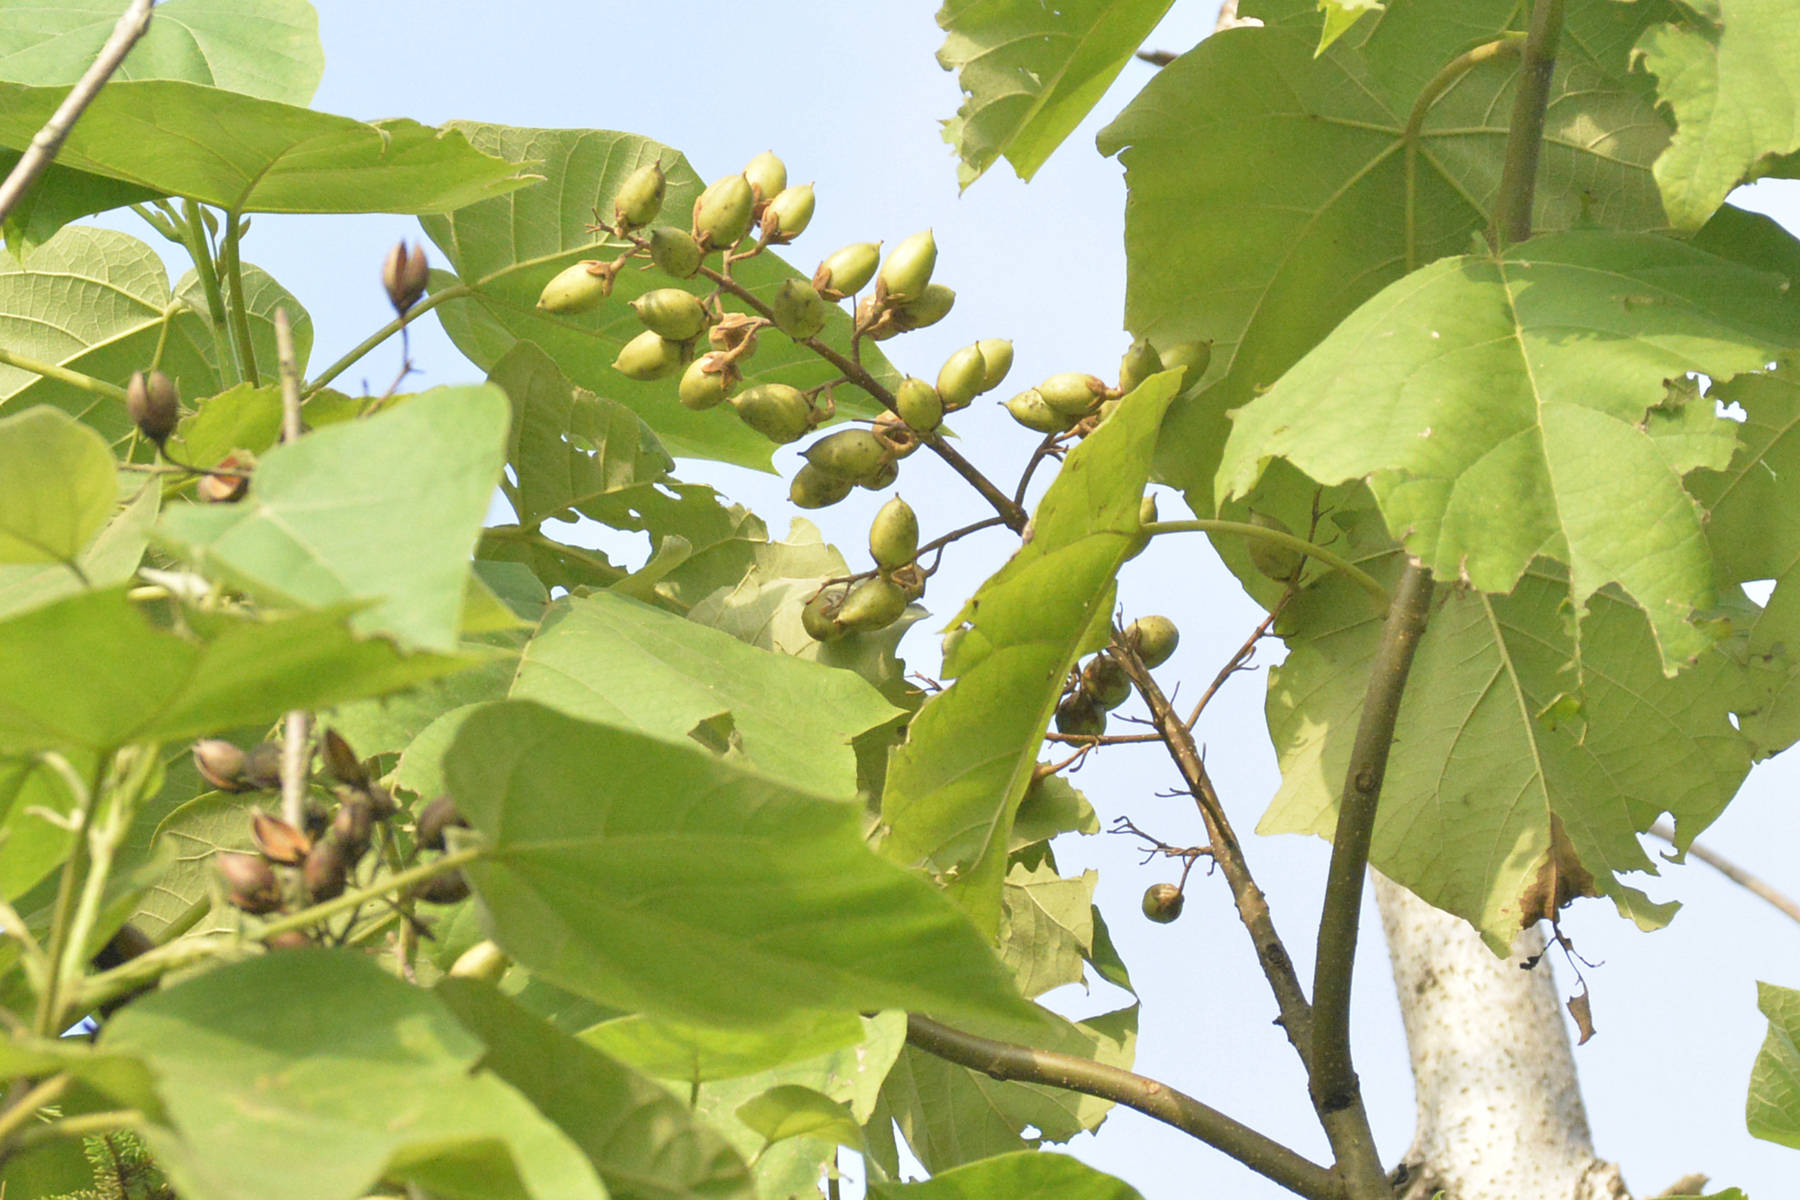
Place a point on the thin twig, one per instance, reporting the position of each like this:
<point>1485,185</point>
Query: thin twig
<point>1027,1064</point>
<point>1239,661</point>
<point>1730,870</point>
<point>48,140</point>
<point>296,736</point>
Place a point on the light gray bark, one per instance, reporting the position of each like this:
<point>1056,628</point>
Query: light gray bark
<point>1499,1106</point>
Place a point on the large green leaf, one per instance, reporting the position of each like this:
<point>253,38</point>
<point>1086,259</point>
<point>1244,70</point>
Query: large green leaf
<point>246,154</point>
<point>35,836</point>
<point>1730,71</point>
<point>266,48</point>
<point>508,247</point>
<point>59,487</point>
<point>186,841</point>
<point>1773,1109</point>
<point>1503,407</point>
<point>606,658</point>
<point>692,1054</point>
<point>111,557</point>
<point>955,785</point>
<point>98,302</point>
<point>308,1075</point>
<point>1225,240</point>
<point>319,524</point>
<point>1023,1173</point>
<point>1046,926</point>
<point>137,682</point>
<point>728,896</point>
<point>645,1143</point>
<point>1512,752</point>
<point>1030,72</point>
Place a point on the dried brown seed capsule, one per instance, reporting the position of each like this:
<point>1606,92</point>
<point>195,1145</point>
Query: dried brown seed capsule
<point>381,802</point>
<point>326,871</point>
<point>262,767</point>
<point>154,405</point>
<point>250,883</point>
<point>226,488</point>
<point>288,939</point>
<point>404,275</point>
<point>341,760</point>
<point>640,197</point>
<point>351,827</point>
<point>910,579</point>
<point>278,841</point>
<point>1079,716</point>
<point>900,437</point>
<point>1153,639</point>
<point>220,764</point>
<point>1105,681</point>
<point>733,330</point>
<point>675,252</point>
<point>447,888</point>
<point>1162,902</point>
<point>847,271</point>
<point>436,817</point>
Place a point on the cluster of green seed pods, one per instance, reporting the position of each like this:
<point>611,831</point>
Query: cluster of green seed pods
<point>876,600</point>
<point>1102,684</point>
<point>1070,400</point>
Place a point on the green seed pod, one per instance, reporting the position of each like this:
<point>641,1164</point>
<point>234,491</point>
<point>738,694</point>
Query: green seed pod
<point>648,356</point>
<point>1140,362</point>
<point>1079,716</point>
<point>907,271</point>
<point>722,213</point>
<point>997,356</point>
<point>277,840</point>
<point>813,488</point>
<point>1105,681</point>
<point>776,410</point>
<point>959,380</point>
<point>788,214</point>
<point>1146,514</point>
<point>672,313</point>
<point>404,275</point>
<point>154,405</point>
<point>1162,902</point>
<point>675,252</point>
<point>1192,357</point>
<point>434,819</point>
<point>872,604</point>
<point>706,382</point>
<point>816,616</point>
<point>850,454</point>
<point>766,175</point>
<point>894,535</point>
<point>484,961</point>
<point>919,404</point>
<point>932,306</point>
<point>576,289</point>
<point>1072,393</point>
<point>798,310</point>
<point>847,271</point>
<point>1152,639</point>
<point>884,476</point>
<point>1280,563</point>
<point>1028,409</point>
<point>640,197</point>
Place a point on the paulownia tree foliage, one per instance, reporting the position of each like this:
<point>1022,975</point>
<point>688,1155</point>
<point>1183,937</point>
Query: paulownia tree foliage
<point>667,882</point>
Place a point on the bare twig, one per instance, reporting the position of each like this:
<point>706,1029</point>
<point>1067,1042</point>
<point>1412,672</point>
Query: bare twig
<point>296,739</point>
<point>48,140</point>
<point>1730,870</point>
<point>1239,661</point>
<point>1005,1060</point>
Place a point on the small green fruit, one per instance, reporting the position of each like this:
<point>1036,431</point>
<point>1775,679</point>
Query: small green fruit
<point>798,310</point>
<point>648,356</point>
<point>706,382</point>
<point>817,617</point>
<point>1162,902</point>
<point>576,288</point>
<point>1072,393</point>
<point>1105,680</point>
<point>884,476</point>
<point>813,488</point>
<point>872,604</point>
<point>1280,563</point>
<point>154,405</point>
<point>907,271</point>
<point>722,213</point>
<point>766,174</point>
<point>675,252</point>
<point>1192,357</point>
<point>778,411</point>
<point>931,306</point>
<point>853,455</point>
<point>1028,409</point>
<point>1079,716</point>
<point>640,197</point>
<point>788,214</point>
<point>1140,362</point>
<point>894,535</point>
<point>847,271</point>
<point>997,356</point>
<point>960,379</point>
<point>1152,639</point>
<point>672,313</point>
<point>919,404</point>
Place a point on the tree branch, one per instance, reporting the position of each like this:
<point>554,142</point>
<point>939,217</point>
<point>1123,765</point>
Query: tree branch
<point>1730,870</point>
<point>1026,1064</point>
<point>48,140</point>
<point>296,733</point>
<point>1525,134</point>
